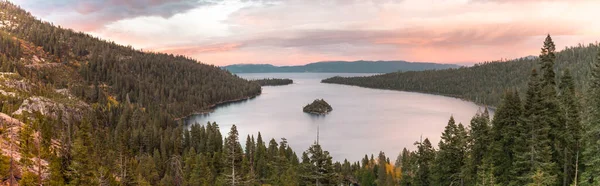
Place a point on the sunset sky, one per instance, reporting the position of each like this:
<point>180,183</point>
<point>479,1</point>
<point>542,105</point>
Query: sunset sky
<point>289,32</point>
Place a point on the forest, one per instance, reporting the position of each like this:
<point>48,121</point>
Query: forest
<point>121,71</point>
<point>483,83</point>
<point>544,133</point>
<point>273,81</point>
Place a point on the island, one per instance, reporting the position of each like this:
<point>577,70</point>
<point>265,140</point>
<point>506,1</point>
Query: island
<point>273,81</point>
<point>319,106</point>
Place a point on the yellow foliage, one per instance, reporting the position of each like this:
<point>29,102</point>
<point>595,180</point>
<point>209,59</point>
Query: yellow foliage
<point>112,101</point>
<point>391,170</point>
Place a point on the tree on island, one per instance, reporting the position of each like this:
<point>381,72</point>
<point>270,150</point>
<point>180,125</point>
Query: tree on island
<point>319,106</point>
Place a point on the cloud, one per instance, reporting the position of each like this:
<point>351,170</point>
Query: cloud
<point>191,50</point>
<point>301,31</point>
<point>94,14</point>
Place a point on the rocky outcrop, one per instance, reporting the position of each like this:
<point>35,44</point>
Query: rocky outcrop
<point>48,107</point>
<point>9,143</point>
<point>4,93</point>
<point>14,81</point>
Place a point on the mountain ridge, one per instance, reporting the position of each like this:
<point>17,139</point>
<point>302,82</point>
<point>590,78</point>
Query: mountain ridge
<point>360,66</point>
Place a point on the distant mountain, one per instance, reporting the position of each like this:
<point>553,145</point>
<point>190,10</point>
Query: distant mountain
<point>341,67</point>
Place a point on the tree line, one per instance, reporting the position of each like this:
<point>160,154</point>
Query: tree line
<point>273,81</point>
<point>542,138</point>
<point>484,83</point>
<point>540,134</point>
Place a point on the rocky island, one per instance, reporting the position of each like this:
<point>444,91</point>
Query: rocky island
<point>319,106</point>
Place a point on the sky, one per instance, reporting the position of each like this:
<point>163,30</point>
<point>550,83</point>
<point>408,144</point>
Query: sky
<point>292,32</point>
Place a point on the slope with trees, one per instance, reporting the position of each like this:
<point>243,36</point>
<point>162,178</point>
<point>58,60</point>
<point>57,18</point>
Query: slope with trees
<point>483,83</point>
<point>122,72</point>
<point>542,138</point>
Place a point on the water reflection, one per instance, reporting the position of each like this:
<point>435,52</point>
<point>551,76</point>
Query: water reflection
<point>362,121</point>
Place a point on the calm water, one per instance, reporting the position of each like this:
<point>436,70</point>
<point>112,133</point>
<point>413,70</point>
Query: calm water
<point>362,121</point>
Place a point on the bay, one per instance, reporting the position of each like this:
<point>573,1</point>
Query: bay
<point>363,120</point>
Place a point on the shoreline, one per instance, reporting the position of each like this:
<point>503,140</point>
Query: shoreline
<point>211,107</point>
<point>490,107</point>
<point>318,113</point>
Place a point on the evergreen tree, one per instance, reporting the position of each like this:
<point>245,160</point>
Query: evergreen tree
<point>233,157</point>
<point>485,173</point>
<point>450,156</point>
<point>249,157</point>
<point>424,159</point>
<point>4,165</point>
<point>547,60</point>
<point>591,172</point>
<point>479,143</point>
<point>533,153</point>
<point>407,168</point>
<point>319,167</point>
<point>381,171</point>
<point>260,158</point>
<point>551,113</point>
<point>56,172</point>
<point>81,170</point>
<point>573,131</point>
<point>504,129</point>
<point>446,161</point>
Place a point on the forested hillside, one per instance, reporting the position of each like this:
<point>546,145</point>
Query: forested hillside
<point>482,83</point>
<point>80,111</point>
<point>176,84</point>
<point>341,67</point>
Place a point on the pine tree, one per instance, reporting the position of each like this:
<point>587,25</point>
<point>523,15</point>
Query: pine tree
<point>547,59</point>
<point>407,168</point>
<point>249,157</point>
<point>260,159</point>
<point>233,155</point>
<point>381,172</point>
<point>450,157</point>
<point>4,165</point>
<point>56,171</point>
<point>504,129</point>
<point>479,143</point>
<point>27,144</point>
<point>533,152</point>
<point>462,136</point>
<point>591,150</point>
<point>424,159</point>
<point>485,173</point>
<point>272,164</point>
<point>573,131</point>
<point>81,169</point>
<point>319,167</point>
<point>551,113</point>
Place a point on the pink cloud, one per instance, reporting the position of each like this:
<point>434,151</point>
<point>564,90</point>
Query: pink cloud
<point>299,31</point>
<point>192,50</point>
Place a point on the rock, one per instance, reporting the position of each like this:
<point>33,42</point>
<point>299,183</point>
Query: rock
<point>52,109</point>
<point>4,93</point>
<point>9,145</point>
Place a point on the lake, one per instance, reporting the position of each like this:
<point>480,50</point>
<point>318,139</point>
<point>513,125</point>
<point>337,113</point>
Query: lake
<point>363,120</point>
